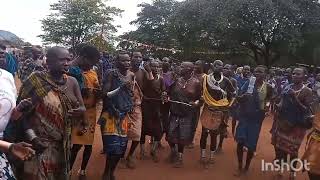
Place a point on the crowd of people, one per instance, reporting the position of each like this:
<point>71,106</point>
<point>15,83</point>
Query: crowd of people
<point>55,112</point>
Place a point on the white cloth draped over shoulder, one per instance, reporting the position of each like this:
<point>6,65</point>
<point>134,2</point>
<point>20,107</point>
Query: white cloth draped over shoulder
<point>8,97</point>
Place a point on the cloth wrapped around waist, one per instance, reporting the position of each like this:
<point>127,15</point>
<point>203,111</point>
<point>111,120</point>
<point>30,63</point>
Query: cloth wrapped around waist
<point>211,119</point>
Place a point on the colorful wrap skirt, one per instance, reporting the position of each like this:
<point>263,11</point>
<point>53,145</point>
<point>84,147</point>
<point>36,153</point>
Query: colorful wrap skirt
<point>6,172</point>
<point>287,138</point>
<point>114,134</point>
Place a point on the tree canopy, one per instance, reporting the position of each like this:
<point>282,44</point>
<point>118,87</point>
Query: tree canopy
<point>263,30</point>
<point>76,21</point>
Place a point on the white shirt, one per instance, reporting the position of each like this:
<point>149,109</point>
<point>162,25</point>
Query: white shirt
<point>8,97</point>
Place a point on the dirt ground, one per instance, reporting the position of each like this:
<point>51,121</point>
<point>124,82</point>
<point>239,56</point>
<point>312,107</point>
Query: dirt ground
<point>223,169</point>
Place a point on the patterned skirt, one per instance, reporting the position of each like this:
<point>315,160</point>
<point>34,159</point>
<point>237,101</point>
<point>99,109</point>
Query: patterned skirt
<point>6,172</point>
<point>211,119</point>
<point>181,129</point>
<point>114,136</point>
<point>287,138</point>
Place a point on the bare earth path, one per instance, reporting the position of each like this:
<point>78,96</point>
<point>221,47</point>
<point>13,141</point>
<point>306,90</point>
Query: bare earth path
<point>223,169</point>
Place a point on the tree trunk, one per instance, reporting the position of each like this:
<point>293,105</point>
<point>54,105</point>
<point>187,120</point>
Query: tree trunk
<point>256,57</point>
<point>267,56</point>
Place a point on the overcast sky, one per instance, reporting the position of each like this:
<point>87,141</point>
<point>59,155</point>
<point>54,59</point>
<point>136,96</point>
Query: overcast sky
<point>22,17</point>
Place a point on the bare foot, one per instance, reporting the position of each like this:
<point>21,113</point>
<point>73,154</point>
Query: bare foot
<point>238,173</point>
<point>130,163</point>
<point>204,163</point>
<point>219,150</point>
<point>155,157</point>
<point>143,156</point>
<point>211,160</point>
<point>178,163</point>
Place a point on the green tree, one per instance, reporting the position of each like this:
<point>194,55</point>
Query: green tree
<point>153,24</point>
<point>264,30</point>
<point>76,21</point>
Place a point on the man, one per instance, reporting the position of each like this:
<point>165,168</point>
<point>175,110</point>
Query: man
<point>168,78</point>
<point>227,72</point>
<point>3,62</point>
<point>32,64</point>
<point>83,134</point>
<point>151,110</point>
<point>246,72</point>
<point>316,87</point>
<point>135,116</point>
<point>186,92</point>
<point>218,93</point>
<point>199,69</point>
<point>252,101</point>
<point>57,101</point>
<point>198,73</point>
<point>117,103</point>
<point>10,62</point>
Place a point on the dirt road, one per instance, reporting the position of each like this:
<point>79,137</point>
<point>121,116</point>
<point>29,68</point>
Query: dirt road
<point>223,169</point>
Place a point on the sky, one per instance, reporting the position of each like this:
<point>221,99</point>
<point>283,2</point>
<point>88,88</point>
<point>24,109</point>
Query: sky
<point>22,17</point>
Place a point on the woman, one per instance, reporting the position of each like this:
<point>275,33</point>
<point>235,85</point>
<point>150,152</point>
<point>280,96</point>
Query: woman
<point>252,107</point>
<point>83,134</point>
<point>57,101</point>
<point>117,103</point>
<point>187,91</point>
<point>8,110</point>
<point>293,118</point>
<point>312,153</point>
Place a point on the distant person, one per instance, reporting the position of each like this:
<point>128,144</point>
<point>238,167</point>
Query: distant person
<point>32,64</point>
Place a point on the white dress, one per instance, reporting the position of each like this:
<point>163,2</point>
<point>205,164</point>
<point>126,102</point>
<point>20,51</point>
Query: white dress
<point>8,96</point>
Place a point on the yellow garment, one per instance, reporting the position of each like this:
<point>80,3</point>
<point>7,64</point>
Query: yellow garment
<point>316,136</point>
<point>312,153</point>
<point>209,100</point>
<point>113,127</point>
<point>91,83</point>
<point>263,95</point>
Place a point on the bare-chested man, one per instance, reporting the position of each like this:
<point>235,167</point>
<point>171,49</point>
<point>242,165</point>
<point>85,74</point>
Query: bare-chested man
<point>198,73</point>
<point>168,78</point>
<point>199,69</point>
<point>135,116</point>
<point>187,91</point>
<point>151,113</point>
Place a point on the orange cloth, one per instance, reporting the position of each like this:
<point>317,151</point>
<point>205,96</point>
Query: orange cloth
<point>91,84</point>
<point>135,117</point>
<point>312,153</point>
<point>211,119</point>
